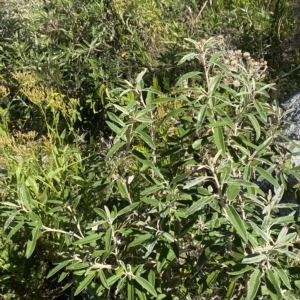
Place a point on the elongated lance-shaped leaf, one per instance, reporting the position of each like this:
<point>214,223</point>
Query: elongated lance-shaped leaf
<point>272,285</point>
<point>198,205</point>
<point>113,127</point>
<point>141,75</point>
<point>232,191</point>
<point>9,220</point>
<point>127,209</point>
<point>88,239</point>
<point>108,237</point>
<point>114,149</point>
<point>147,139</point>
<point>14,230</point>
<point>195,181</point>
<point>83,284</point>
<point>230,290</point>
<point>140,239</point>
<point>146,285</point>
<point>254,258</point>
<point>253,284</point>
<point>236,221</point>
<point>255,125</point>
<point>260,110</point>
<point>31,243</point>
<point>103,279</point>
<point>188,56</point>
<point>24,195</point>
<point>214,84</point>
<point>201,116</point>
<point>215,57</point>
<point>187,76</point>
<point>219,140</point>
<point>116,119</point>
<point>284,277</point>
<point>267,176</point>
<point>59,267</point>
<point>263,146</point>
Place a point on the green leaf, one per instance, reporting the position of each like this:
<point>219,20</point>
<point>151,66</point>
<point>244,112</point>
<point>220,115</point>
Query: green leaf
<point>152,190</point>
<point>214,84</point>
<point>151,201</point>
<point>127,209</point>
<point>146,163</point>
<point>123,110</point>
<point>272,286</point>
<point>123,189</point>
<point>36,219</point>
<point>108,236</point>
<point>114,149</point>
<point>187,76</point>
<point>213,59</point>
<point>120,285</point>
<point>254,258</point>
<point>114,118</point>
<point>219,140</point>
<point>141,295</point>
<point>163,99</point>
<point>236,221</point>
<point>212,276</point>
<point>24,195</point>
<point>169,237</point>
<point>31,243</point>
<point>181,177</point>
<point>240,269</point>
<point>9,220</point>
<point>201,116</point>
<point>260,110</point>
<point>130,290</point>
<point>14,230</point>
<point>58,267</point>
<point>198,205</point>
<point>195,181</point>
<point>111,280</point>
<point>140,239</point>
<point>150,247</point>
<point>146,285</point>
<point>113,127</point>
<point>141,75</point>
<point>261,233</point>
<point>30,181</point>
<point>226,70</point>
<point>284,277</point>
<point>263,146</point>
<point>228,122</point>
<point>151,277</point>
<point>88,239</point>
<point>147,139</point>
<point>267,176</point>
<point>244,183</point>
<point>101,213</point>
<point>188,56</point>
<point>62,276</point>
<point>103,279</point>
<point>255,125</point>
<point>230,290</point>
<point>253,284</point>
<point>83,284</point>
<point>232,191</point>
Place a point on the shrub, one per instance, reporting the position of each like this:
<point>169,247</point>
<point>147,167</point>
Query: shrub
<point>172,205</point>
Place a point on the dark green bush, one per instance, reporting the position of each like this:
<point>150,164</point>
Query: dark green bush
<point>147,186</point>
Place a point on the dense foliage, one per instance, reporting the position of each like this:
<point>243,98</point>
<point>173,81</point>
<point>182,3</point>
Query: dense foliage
<point>136,141</point>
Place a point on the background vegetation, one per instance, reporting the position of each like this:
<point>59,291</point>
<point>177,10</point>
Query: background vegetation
<point>135,139</point>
